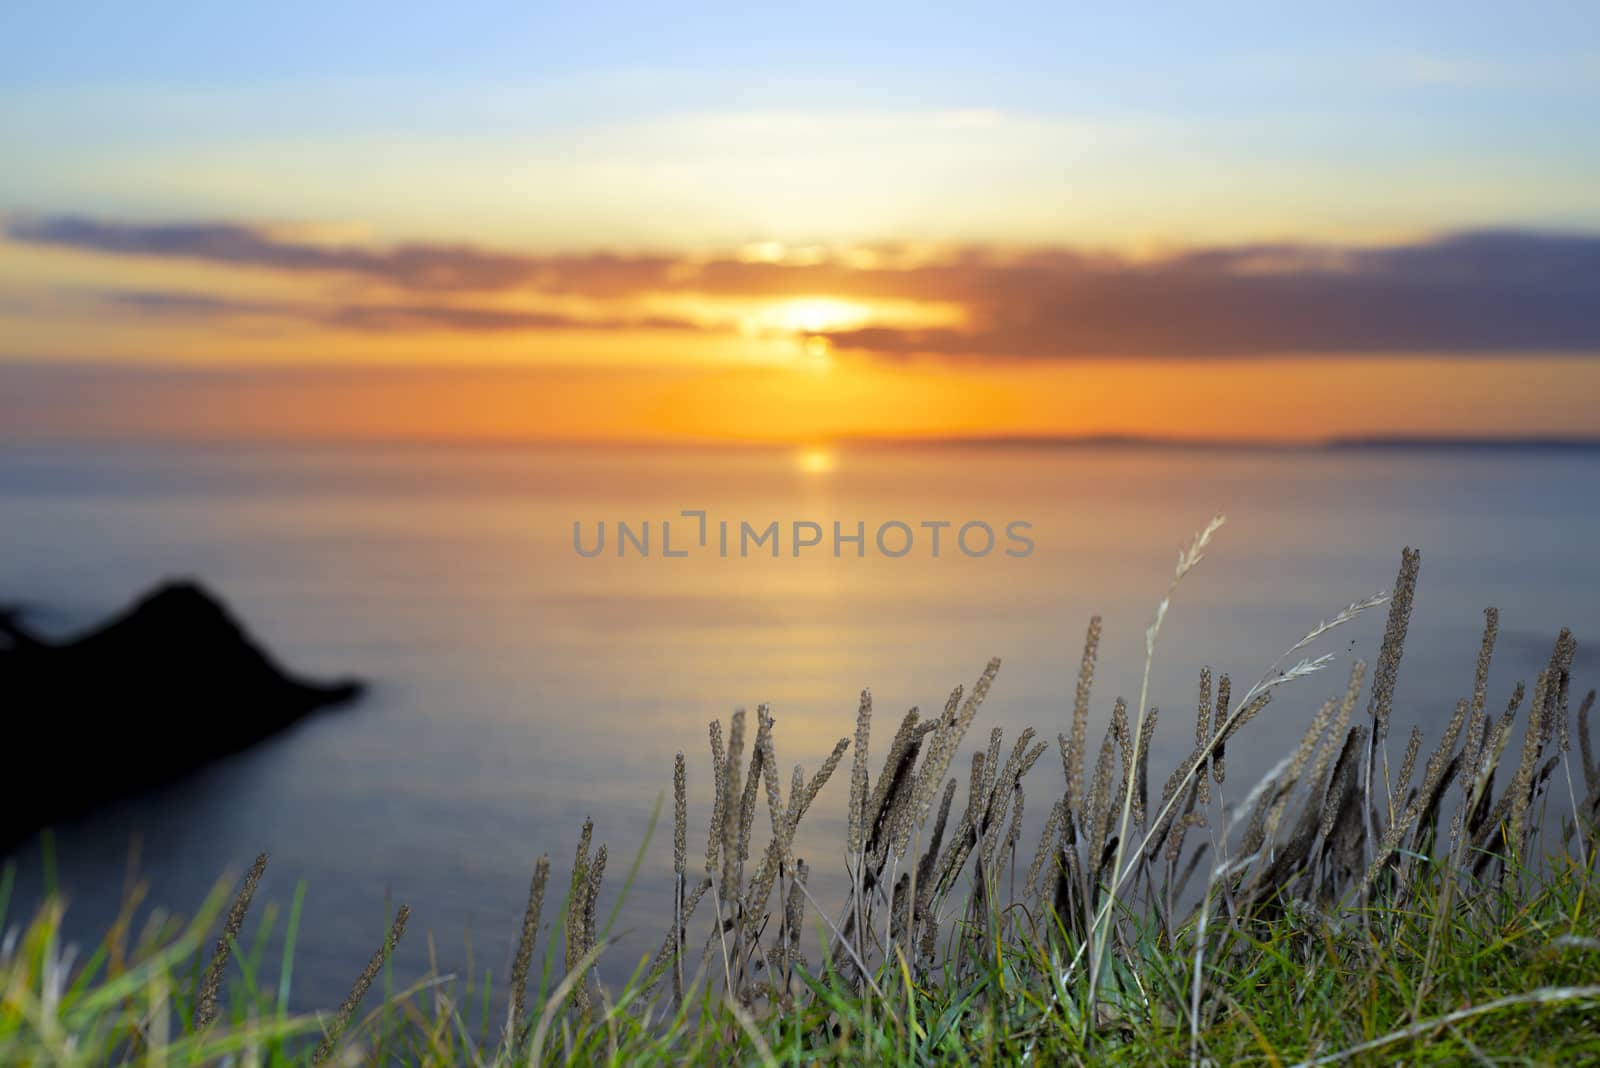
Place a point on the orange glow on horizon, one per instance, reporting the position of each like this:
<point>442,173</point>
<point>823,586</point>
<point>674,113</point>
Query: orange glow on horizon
<point>597,347</point>
<point>1291,400</point>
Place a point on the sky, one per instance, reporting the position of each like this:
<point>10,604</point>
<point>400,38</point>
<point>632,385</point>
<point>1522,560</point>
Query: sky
<point>796,224</point>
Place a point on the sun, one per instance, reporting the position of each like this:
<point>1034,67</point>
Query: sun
<point>813,315</point>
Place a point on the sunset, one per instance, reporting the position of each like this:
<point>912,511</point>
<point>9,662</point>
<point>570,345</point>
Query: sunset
<point>394,234</point>
<point>433,435</point>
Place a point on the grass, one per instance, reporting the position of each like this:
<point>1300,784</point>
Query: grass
<point>1345,910</point>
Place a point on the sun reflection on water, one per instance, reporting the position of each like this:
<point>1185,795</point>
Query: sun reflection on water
<point>816,461</point>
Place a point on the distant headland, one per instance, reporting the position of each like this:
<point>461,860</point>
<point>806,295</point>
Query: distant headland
<point>161,689</point>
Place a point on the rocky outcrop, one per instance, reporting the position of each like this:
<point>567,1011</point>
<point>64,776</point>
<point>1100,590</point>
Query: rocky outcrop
<point>171,684</point>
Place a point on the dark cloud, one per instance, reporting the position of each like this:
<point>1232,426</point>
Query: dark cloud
<point>1490,292</point>
<point>1471,293</point>
<point>413,266</point>
<point>386,318</point>
<point>375,318</point>
<point>184,305</point>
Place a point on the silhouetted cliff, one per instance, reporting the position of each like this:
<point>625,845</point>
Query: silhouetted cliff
<point>169,685</point>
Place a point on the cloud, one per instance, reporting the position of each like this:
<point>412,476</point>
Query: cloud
<point>1486,292</point>
<point>411,266</point>
<point>373,318</point>
<point>1479,292</point>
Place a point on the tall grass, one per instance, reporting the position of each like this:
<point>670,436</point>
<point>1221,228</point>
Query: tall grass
<point>1348,909</point>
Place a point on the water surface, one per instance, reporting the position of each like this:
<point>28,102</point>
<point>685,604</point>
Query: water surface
<point>518,687</point>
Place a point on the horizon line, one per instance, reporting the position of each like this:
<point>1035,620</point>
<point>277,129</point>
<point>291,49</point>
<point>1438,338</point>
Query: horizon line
<point>1396,441</point>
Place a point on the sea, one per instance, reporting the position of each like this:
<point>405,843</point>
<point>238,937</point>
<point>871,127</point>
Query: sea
<point>522,682</point>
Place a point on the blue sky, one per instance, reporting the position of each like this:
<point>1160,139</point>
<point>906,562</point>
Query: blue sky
<point>1474,114</point>
<point>998,45</point>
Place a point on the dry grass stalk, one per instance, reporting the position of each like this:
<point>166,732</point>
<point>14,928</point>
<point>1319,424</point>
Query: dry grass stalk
<point>680,816</point>
<point>991,774</point>
<point>732,807</point>
<point>1431,778</point>
<point>818,781</point>
<point>586,874</point>
<point>972,815</point>
<point>795,905</point>
<point>752,783</point>
<point>1100,927</point>
<point>1442,766</point>
<point>1297,764</point>
<point>857,830</point>
<point>530,933</point>
<point>775,861</point>
<point>1185,820</point>
<point>1017,765</point>
<point>891,797</point>
<point>729,890</point>
<point>1049,842</point>
<point>1387,671</point>
<point>671,950</point>
<point>1237,721</point>
<point>1015,831</point>
<point>1001,793</point>
<point>1189,771</point>
<point>924,870</point>
<point>1533,742</point>
<point>1480,830</point>
<point>940,751</point>
<point>1477,722</point>
<point>575,893</point>
<point>797,790</point>
<point>1080,710</point>
<point>907,812</point>
<point>1141,777</point>
<point>962,840</point>
<point>1219,768</point>
<point>856,840</point>
<point>1343,826</point>
<point>777,812</point>
<point>1170,813</point>
<point>1408,761</point>
<point>1443,753</point>
<point>1341,722</point>
<point>1124,738</point>
<point>719,769</point>
<point>591,898</point>
<point>1512,705</point>
<point>1097,806</point>
<point>206,1010</point>
<point>1480,684</point>
<point>949,737</point>
<point>680,843</point>
<point>972,819</point>
<point>363,982</point>
<point>1567,651</point>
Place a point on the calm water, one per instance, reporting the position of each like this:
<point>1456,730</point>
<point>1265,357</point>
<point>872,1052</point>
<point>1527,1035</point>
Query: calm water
<point>519,687</point>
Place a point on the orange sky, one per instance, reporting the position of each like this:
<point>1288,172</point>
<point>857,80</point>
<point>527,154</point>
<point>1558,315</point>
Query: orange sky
<point>204,331</point>
<point>523,223</point>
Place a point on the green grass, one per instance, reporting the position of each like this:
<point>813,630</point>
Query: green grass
<point>1345,909</point>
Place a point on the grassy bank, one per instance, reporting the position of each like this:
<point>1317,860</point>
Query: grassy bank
<point>1363,902</point>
